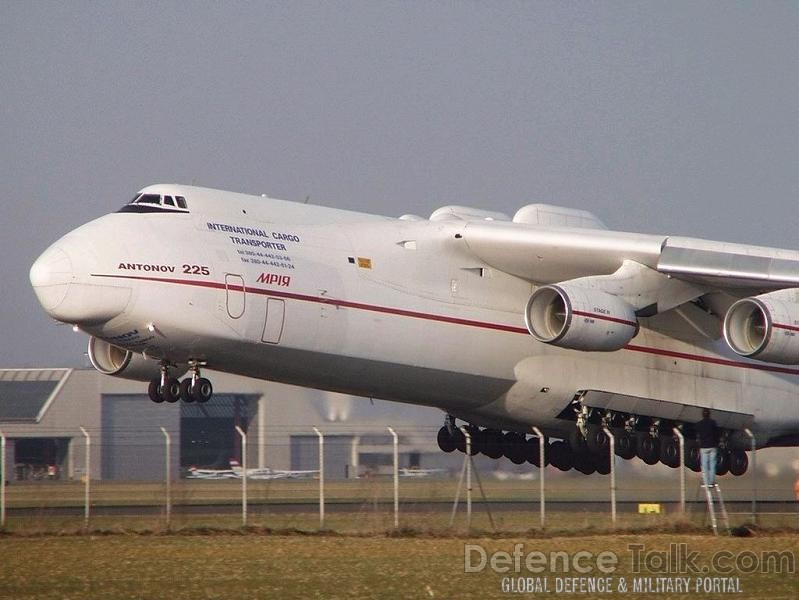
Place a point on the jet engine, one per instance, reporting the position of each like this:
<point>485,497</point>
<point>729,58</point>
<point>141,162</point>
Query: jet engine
<point>118,362</point>
<point>765,327</point>
<point>580,318</point>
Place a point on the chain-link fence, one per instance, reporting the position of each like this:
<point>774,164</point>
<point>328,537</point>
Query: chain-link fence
<point>368,481</point>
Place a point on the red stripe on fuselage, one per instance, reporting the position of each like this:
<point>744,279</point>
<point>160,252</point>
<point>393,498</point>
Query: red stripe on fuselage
<point>445,319</point>
<point>602,317</point>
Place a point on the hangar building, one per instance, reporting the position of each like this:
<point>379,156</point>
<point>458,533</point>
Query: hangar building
<point>42,412</point>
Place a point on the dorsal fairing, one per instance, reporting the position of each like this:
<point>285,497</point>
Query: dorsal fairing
<point>466,213</point>
<point>549,215</point>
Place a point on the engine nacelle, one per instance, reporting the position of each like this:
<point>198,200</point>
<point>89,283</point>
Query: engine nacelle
<point>118,362</point>
<point>576,317</point>
<point>765,327</point>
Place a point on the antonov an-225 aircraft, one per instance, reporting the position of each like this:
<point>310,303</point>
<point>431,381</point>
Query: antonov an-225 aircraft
<point>545,319</point>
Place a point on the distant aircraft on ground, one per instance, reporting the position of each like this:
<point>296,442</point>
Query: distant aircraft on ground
<point>236,472</point>
<point>546,319</point>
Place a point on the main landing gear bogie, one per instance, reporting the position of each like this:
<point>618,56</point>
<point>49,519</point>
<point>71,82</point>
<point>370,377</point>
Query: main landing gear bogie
<point>587,448</point>
<point>169,389</point>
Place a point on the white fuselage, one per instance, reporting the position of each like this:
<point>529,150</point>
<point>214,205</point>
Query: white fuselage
<point>377,307</point>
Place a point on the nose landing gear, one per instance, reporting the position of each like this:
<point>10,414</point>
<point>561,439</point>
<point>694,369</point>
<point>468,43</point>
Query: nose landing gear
<point>196,388</point>
<point>164,388</point>
<point>169,389</point>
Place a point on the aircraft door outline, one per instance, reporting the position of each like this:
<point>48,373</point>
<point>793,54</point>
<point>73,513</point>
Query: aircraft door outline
<point>274,320</point>
<point>235,295</point>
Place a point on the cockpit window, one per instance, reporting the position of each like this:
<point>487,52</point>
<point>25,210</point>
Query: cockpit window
<point>149,203</point>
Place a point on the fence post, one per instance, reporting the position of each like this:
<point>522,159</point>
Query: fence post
<point>168,478</point>
<point>243,476</point>
<point>2,480</point>
<point>321,478</point>
<point>612,451</point>
<point>396,476</point>
<point>468,437</point>
<point>542,469</point>
<point>754,474</point>
<point>681,439</point>
<point>88,477</point>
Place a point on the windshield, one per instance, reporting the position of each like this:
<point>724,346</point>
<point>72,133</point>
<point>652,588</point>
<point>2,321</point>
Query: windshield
<point>156,203</point>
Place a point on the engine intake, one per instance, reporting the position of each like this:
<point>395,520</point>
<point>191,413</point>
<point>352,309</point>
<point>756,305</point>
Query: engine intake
<point>765,327</point>
<point>118,362</point>
<point>579,318</point>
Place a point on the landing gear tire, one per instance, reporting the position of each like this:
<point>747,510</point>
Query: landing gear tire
<point>648,449</point>
<point>625,445</point>
<point>577,442</point>
<point>560,455</point>
<point>202,391</point>
<point>476,439</point>
<point>669,451</point>
<point>459,439</point>
<point>491,444</point>
<point>532,452</point>
<point>185,390</point>
<point>739,462</point>
<point>601,463</point>
<point>154,391</point>
<point>596,439</point>
<point>722,462</point>
<point>445,440</point>
<point>693,458</point>
<point>170,391</point>
<point>513,447</point>
<point>584,464</point>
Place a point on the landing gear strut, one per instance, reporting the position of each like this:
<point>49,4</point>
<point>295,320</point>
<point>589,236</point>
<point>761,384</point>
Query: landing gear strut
<point>168,389</point>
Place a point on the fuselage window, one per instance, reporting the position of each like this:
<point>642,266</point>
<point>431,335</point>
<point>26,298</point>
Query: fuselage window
<point>181,201</point>
<point>169,201</point>
<point>149,199</point>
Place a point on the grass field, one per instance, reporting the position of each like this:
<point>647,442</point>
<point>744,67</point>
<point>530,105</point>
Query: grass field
<point>257,565</point>
<point>283,554</point>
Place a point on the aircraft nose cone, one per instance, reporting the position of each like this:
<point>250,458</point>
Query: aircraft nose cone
<point>50,277</point>
<point>63,282</point>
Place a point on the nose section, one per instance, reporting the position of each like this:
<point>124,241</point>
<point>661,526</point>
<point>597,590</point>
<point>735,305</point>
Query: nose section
<point>63,279</point>
<point>50,276</point>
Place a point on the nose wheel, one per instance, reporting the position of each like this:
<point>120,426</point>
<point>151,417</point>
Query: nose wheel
<point>164,389</point>
<point>192,389</point>
<point>196,389</point>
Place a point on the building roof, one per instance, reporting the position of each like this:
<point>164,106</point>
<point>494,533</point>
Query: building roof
<point>25,394</point>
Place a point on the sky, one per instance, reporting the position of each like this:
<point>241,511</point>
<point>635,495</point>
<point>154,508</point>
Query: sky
<point>678,118</point>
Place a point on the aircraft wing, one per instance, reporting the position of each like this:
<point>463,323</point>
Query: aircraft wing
<point>718,264</point>
<point>549,255</point>
<point>595,285</point>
